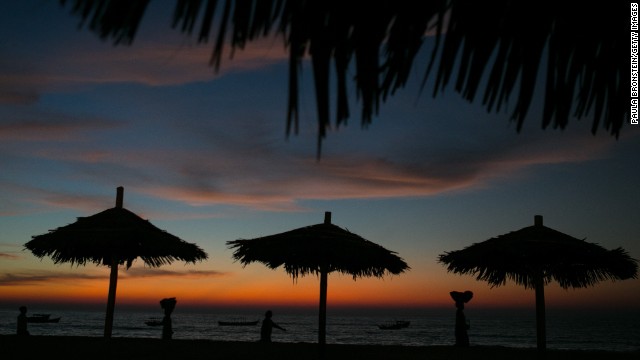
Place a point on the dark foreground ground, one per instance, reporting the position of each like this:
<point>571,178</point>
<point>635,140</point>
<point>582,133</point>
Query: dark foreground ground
<point>95,348</point>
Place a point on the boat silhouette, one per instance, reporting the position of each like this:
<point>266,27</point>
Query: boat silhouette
<point>399,324</point>
<point>42,318</point>
<point>238,323</point>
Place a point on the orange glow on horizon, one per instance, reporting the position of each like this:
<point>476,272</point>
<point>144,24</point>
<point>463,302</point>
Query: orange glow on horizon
<point>276,289</point>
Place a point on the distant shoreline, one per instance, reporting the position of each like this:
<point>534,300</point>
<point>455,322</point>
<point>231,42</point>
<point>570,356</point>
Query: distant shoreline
<point>82,347</point>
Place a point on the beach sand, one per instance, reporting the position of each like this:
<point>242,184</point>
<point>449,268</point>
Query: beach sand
<point>93,348</point>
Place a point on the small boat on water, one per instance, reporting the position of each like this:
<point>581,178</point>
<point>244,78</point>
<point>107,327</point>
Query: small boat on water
<point>153,322</point>
<point>238,323</point>
<point>400,324</point>
<point>42,318</point>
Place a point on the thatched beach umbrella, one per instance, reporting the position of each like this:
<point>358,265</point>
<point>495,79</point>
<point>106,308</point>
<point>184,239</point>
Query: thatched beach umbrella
<point>319,249</point>
<point>534,256</point>
<point>113,237</point>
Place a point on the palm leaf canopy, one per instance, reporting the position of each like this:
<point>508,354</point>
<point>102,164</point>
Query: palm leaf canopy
<point>115,233</point>
<point>316,248</point>
<point>523,255</point>
<point>319,249</point>
<point>113,237</point>
<point>488,49</point>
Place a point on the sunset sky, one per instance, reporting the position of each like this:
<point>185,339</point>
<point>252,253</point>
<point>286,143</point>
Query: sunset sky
<point>205,157</point>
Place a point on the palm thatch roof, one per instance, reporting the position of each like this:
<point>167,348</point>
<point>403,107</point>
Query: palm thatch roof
<point>522,255</point>
<point>491,50</point>
<point>534,256</point>
<point>115,233</point>
<point>113,237</point>
<point>321,247</point>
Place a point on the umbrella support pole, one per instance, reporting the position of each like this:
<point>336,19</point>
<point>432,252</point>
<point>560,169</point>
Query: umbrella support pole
<point>541,335</point>
<point>111,300</point>
<point>322,317</point>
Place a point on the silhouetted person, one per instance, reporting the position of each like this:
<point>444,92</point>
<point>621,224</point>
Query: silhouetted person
<point>267,327</point>
<point>168,305</point>
<point>22,322</point>
<point>462,325</point>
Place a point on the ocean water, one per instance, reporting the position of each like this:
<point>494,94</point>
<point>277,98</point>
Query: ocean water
<point>583,330</point>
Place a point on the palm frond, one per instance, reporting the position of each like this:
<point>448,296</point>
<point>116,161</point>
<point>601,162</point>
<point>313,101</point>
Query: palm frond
<point>493,48</point>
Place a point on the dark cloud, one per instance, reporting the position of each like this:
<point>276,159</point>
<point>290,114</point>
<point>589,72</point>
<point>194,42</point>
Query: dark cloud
<point>38,126</point>
<point>9,256</point>
<point>39,277</point>
<point>140,272</point>
<point>34,278</point>
<point>18,97</point>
